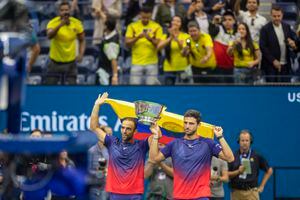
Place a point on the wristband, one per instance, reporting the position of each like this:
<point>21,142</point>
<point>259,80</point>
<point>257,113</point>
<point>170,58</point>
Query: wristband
<point>220,137</point>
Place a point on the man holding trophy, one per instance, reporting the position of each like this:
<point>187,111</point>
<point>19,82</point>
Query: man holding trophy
<point>125,176</point>
<point>191,156</point>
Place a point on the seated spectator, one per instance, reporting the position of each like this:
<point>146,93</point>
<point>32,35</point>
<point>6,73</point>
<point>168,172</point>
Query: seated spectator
<point>223,34</point>
<point>252,18</point>
<point>142,37</point>
<point>246,55</point>
<point>64,31</point>
<point>174,63</point>
<point>167,10</point>
<point>277,41</point>
<point>199,50</point>
<point>109,52</point>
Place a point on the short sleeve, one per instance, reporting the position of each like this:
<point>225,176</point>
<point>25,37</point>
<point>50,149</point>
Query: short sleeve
<point>208,41</point>
<point>256,46</point>
<point>159,32</point>
<point>167,150</point>
<point>129,31</point>
<point>108,141</point>
<point>263,164</point>
<point>214,147</point>
<point>79,26</point>
<point>144,145</point>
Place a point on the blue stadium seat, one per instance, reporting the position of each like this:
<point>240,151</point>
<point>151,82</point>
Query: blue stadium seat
<point>88,27</point>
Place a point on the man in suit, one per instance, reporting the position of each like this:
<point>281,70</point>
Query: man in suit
<point>277,40</point>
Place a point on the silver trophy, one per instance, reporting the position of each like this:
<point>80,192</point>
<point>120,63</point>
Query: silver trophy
<point>148,112</point>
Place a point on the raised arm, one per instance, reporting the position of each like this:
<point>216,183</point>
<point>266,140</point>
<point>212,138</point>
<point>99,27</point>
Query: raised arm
<point>226,153</point>
<point>94,124</point>
<point>154,153</point>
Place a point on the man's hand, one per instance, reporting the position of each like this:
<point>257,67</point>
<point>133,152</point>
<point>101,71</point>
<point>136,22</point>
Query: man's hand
<point>154,128</point>
<point>241,169</point>
<point>218,6</point>
<point>218,131</point>
<point>292,43</point>
<point>79,58</point>
<point>101,99</point>
<point>260,189</point>
<point>277,65</point>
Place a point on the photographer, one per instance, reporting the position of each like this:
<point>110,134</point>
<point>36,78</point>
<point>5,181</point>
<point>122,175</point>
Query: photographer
<point>199,50</point>
<point>97,165</point>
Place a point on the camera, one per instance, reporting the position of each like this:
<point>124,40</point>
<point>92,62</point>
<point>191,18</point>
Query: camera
<point>188,42</point>
<point>102,163</point>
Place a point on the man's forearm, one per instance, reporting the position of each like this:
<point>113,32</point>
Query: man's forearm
<point>81,46</point>
<point>153,152</point>
<point>95,117</point>
<point>226,150</point>
<point>52,33</point>
<point>266,177</point>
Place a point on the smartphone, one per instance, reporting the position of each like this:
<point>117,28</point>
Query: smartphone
<point>188,42</point>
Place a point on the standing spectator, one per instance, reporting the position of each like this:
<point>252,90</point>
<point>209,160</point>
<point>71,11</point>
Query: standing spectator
<point>125,176</point>
<point>219,174</point>
<point>277,40</point>
<point>97,166</point>
<point>102,10</point>
<point>191,157</point>
<point>167,10</point>
<point>244,171</point>
<point>246,55</point>
<point>214,7</point>
<point>223,35</point>
<point>142,37</point>
<point>174,63</point>
<point>196,13</point>
<point>63,31</point>
<point>200,53</point>
<point>109,52</point>
<point>252,18</point>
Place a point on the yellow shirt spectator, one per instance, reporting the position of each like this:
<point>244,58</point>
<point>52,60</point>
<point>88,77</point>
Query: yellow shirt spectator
<point>199,51</point>
<point>177,61</point>
<point>143,51</point>
<point>247,57</point>
<point>63,45</point>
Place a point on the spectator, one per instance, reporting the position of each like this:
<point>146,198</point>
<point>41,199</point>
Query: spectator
<point>36,133</point>
<point>167,10</point>
<point>142,37</point>
<point>102,10</point>
<point>244,171</point>
<point>246,55</point>
<point>196,13</point>
<point>214,7</point>
<point>199,50</point>
<point>219,174</point>
<point>223,35</point>
<point>277,40</point>
<point>63,31</point>
<point>174,63</point>
<point>109,52</point>
<point>253,19</point>
<point>34,50</point>
<point>97,166</point>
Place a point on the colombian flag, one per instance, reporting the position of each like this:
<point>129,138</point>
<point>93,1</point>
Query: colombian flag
<point>171,124</point>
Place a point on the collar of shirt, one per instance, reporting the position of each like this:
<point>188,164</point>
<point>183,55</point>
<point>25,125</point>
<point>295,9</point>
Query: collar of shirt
<point>110,35</point>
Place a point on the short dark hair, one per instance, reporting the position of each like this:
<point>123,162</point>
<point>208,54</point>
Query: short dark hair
<point>110,23</point>
<point>193,113</point>
<point>132,119</point>
<point>229,13</point>
<point>146,9</point>
<point>193,24</point>
<point>257,1</point>
<point>276,7</point>
<point>63,3</point>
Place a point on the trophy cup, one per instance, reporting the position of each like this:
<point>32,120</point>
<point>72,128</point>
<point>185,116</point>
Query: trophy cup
<point>148,112</point>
